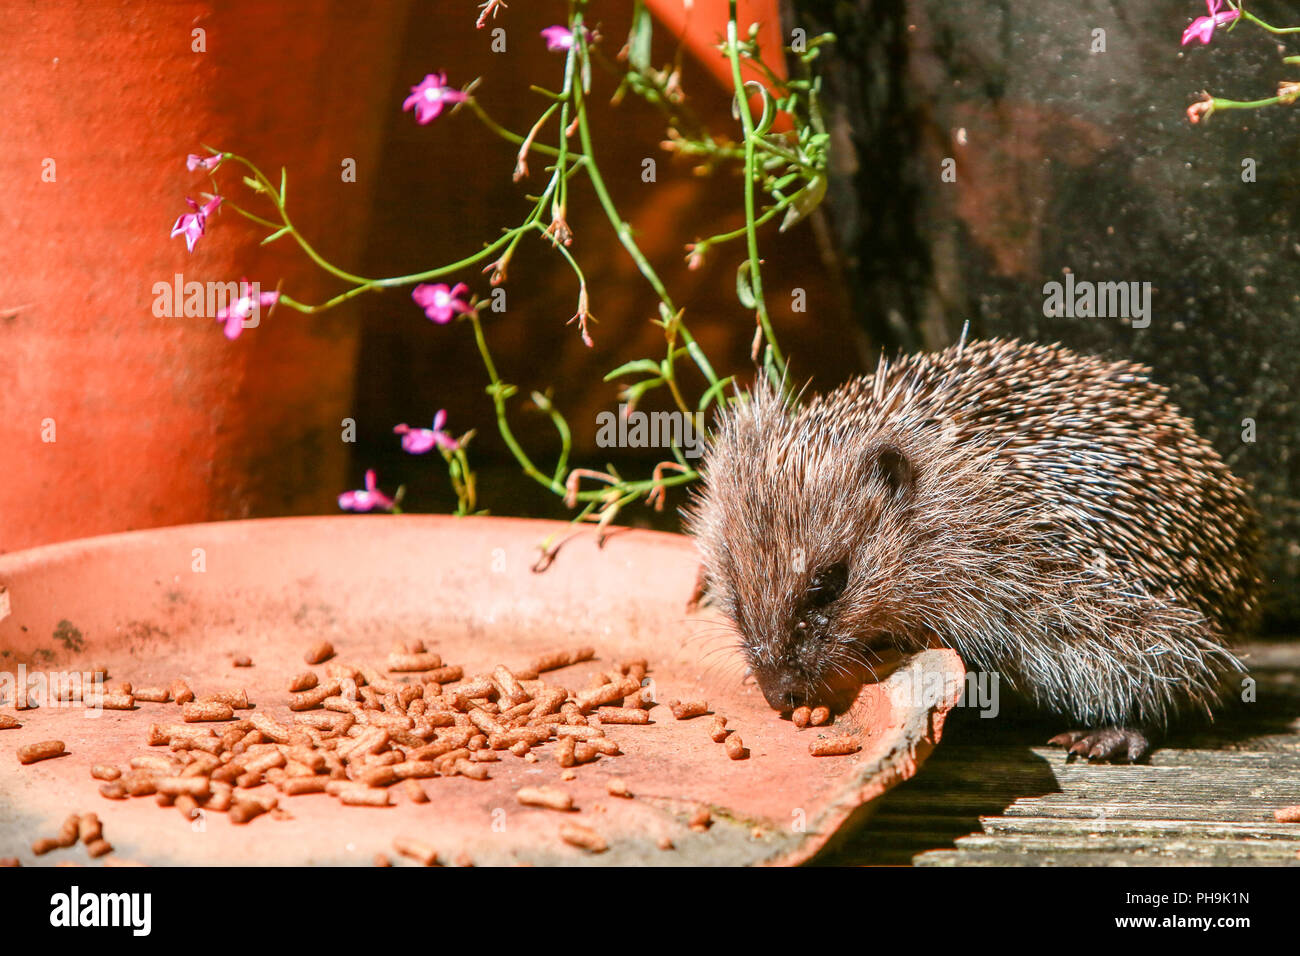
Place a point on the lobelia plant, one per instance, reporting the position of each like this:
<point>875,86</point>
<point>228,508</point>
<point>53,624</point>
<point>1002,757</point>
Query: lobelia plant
<point>784,175</point>
<point>1226,13</point>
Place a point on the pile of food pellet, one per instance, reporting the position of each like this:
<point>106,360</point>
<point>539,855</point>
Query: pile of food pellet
<point>360,736</point>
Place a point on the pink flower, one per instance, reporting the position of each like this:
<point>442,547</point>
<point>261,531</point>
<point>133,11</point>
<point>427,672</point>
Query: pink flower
<point>366,499</point>
<point>193,162</point>
<point>440,302</point>
<point>233,317</point>
<point>428,97</point>
<point>1202,28</point>
<point>417,441</point>
<point>194,224</point>
<point>561,38</point>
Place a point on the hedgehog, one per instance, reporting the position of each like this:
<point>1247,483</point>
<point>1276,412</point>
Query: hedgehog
<point>1050,515</point>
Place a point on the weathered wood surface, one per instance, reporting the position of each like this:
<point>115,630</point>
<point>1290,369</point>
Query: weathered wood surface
<point>991,795</point>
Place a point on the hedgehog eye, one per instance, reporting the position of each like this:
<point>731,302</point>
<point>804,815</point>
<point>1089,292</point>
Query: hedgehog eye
<point>828,584</point>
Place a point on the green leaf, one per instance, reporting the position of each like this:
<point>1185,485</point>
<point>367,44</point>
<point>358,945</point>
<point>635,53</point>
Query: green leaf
<point>632,394</point>
<point>638,365</point>
<point>639,37</point>
<point>714,392</point>
<point>744,289</point>
<point>769,106</point>
<point>805,201</point>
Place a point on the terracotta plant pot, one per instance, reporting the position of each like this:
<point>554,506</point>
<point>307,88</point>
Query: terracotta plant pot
<point>117,418</point>
<point>702,25</point>
<point>139,604</point>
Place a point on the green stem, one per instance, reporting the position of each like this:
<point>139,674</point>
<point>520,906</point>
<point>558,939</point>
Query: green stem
<point>1249,104</point>
<point>751,226</point>
<point>1245,15</point>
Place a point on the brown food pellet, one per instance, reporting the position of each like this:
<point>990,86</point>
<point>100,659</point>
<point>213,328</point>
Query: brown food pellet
<point>509,685</point>
<point>718,729</point>
<point>244,811</point>
<point>406,663</point>
<point>319,653</point>
<point>304,681</point>
<point>235,699</point>
<point>833,746</point>
<point>44,845</point>
<point>552,798</point>
<point>210,710</point>
<point>175,786</point>
<point>607,693</point>
<point>618,788</point>
<point>1287,815</point>
<point>294,786</point>
<point>800,716</point>
<point>310,699</point>
<point>564,752</point>
<point>601,745</point>
<point>422,853</point>
<point>8,723</point>
<point>472,770</point>
<point>623,715</point>
<point>557,659</point>
<point>70,832</point>
<point>153,695</point>
<point>99,848</point>
<point>181,692</point>
<point>700,820</point>
<point>243,660</point>
<point>575,834</point>
<point>9,861</point>
<point>819,716</point>
<point>414,792</point>
<point>685,709</point>
<point>382,860</point>
<point>443,675</point>
<point>89,829</point>
<point>736,748</point>
<point>578,731</point>
<point>363,796</point>
<point>102,772</point>
<point>112,701</point>
<point>40,751</point>
<point>154,762</point>
<point>114,790</point>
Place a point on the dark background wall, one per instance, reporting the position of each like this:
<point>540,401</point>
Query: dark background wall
<point>1074,160</point>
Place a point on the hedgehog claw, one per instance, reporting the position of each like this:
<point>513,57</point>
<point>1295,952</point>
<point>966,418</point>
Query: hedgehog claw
<point>1109,745</point>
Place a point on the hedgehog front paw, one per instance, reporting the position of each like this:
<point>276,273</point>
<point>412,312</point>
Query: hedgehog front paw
<point>1108,745</point>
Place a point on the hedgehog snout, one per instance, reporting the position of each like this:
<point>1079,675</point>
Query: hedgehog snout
<point>783,688</point>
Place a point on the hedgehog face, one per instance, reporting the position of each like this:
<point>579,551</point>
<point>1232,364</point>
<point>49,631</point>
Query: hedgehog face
<point>802,530</point>
<point>798,673</point>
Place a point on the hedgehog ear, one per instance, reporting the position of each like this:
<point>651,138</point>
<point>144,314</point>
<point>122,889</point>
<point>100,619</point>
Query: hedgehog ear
<point>890,465</point>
